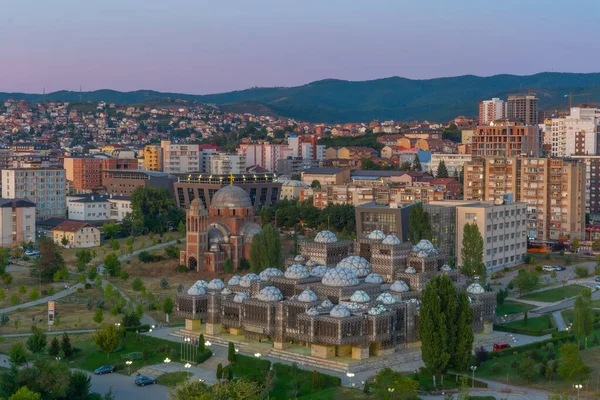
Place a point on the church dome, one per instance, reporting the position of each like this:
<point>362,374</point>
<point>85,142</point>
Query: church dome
<point>231,197</point>
<point>339,277</point>
<point>357,264</point>
<point>325,237</point>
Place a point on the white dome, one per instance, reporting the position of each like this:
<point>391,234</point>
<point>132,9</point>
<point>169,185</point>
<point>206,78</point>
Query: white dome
<point>241,296</point>
<point>311,263</point>
<point>267,274</point>
<point>424,248</point>
<point>378,309</point>
<point>326,303</point>
<point>446,268</point>
<point>357,264</point>
<point>226,291</point>
<point>299,259</point>
<point>386,298</point>
<point>234,280</point>
<point>339,276</point>
<point>391,239</point>
<point>319,271</point>
<point>296,271</point>
<point>410,270</point>
<point>399,286</point>
<point>312,311</point>
<point>360,296</point>
<point>339,311</point>
<point>201,283</point>
<point>475,288</point>
<point>248,278</point>
<point>354,306</point>
<point>415,301</point>
<point>325,237</point>
<point>307,296</point>
<point>376,235</point>
<point>195,290</point>
<point>270,293</point>
<point>374,277</point>
<point>216,284</point>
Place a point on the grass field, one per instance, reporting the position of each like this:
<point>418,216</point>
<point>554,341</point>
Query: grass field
<point>338,393</point>
<point>172,379</point>
<point>553,295</point>
<point>537,323</point>
<point>512,307</point>
<point>24,278</point>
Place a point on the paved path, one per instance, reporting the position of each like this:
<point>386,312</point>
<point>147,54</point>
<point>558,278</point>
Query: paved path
<point>44,300</point>
<point>73,332</point>
<point>530,302</point>
<point>560,321</point>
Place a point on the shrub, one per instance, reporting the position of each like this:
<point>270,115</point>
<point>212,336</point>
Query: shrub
<point>136,355</point>
<point>7,278</point>
<point>164,283</point>
<point>79,290</point>
<point>180,288</point>
<point>51,291</point>
<point>538,268</point>
<point>203,356</point>
<point>146,257</point>
<point>181,268</point>
<point>529,259</point>
<point>88,286</point>
<point>481,355</point>
<point>100,303</point>
<point>582,272</point>
<point>44,292</point>
<point>172,251</point>
<point>137,284</point>
<point>119,365</point>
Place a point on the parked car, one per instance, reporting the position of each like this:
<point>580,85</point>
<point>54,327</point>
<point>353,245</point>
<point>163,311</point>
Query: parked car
<point>105,369</point>
<point>548,268</point>
<point>144,380</point>
<point>597,279</point>
<point>560,267</point>
<point>501,346</point>
<point>598,286</point>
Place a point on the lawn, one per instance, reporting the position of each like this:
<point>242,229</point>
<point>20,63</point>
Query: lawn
<point>512,307</point>
<point>537,326</point>
<point>337,393</point>
<point>553,295</point>
<point>24,278</point>
<point>568,315</point>
<point>172,379</point>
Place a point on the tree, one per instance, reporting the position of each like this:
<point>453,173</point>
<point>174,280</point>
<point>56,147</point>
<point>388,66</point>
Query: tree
<point>472,252</point>
<point>405,166</point>
<point>168,306</point>
<point>181,228</point>
<point>17,354</point>
<point>219,371</point>
<point>416,166</point>
<point>419,224</point>
<point>131,320</point>
<point>33,294</point>
<point>315,184</point>
<point>164,283</point>
<point>92,272</point>
<point>575,244</point>
<point>66,346</point>
<point>154,209</point>
<point>227,266</point>
<point>583,318</point>
<point>265,251</point>
<point>526,281</point>
<point>596,245</point>
<point>79,385</point>
<point>240,389</point>
<point>464,333</point>
<point>442,171</point>
<point>98,316</point>
<point>172,251</point>
<point>4,319</point>
<point>389,384</point>
<point>180,288</point>
<point>25,394</point>
<point>231,353</point>
<point>54,348</point>
<point>111,230</point>
<point>115,245</point>
<point>571,367</point>
<point>526,369</point>
<point>201,343</point>
<point>36,343</point>
<point>84,256</point>
<point>50,260</point>
<point>106,339</point>
<point>112,264</point>
<point>64,241</point>
<point>137,284</point>
<point>123,275</point>
<point>49,377</point>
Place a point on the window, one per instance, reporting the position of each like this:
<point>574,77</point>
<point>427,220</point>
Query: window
<point>470,216</point>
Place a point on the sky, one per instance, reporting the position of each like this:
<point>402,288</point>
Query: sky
<point>201,47</point>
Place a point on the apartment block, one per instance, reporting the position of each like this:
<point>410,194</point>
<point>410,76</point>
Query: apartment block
<point>523,108</point>
<point>17,222</point>
<point>491,110</point>
<point>576,134</point>
<point>454,162</point>
<point>592,186</point>
<point>84,173</point>
<point>343,194</point>
<point>222,163</point>
<point>44,187</point>
<point>296,165</point>
<point>507,139</point>
<point>153,158</point>
<point>180,158</point>
<point>265,155</point>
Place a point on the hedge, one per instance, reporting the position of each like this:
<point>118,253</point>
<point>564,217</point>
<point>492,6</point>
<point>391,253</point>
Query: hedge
<point>557,338</point>
<point>327,380</point>
<point>203,356</point>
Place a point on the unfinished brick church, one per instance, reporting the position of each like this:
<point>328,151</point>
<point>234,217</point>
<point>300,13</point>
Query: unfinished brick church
<point>340,298</point>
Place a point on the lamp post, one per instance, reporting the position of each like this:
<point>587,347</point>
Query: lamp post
<point>473,368</point>
<point>578,386</point>
<point>350,375</point>
<point>167,361</point>
<point>187,367</point>
<point>128,362</point>
<point>117,324</point>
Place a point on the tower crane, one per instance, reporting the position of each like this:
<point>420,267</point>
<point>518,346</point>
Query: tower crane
<point>571,95</point>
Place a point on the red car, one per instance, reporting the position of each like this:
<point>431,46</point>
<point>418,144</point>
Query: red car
<point>501,346</point>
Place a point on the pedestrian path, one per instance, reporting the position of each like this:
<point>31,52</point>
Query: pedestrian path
<point>560,321</point>
<point>44,300</point>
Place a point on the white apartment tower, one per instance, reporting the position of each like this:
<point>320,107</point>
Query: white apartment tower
<point>576,134</point>
<point>491,110</point>
<point>180,158</point>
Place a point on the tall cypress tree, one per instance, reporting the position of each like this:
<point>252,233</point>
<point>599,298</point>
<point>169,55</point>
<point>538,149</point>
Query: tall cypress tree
<point>417,163</point>
<point>464,333</point>
<point>472,252</point>
<point>442,171</point>
<point>419,224</point>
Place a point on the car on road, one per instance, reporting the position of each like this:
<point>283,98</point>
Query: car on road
<point>597,279</point>
<point>105,369</point>
<point>560,267</point>
<point>144,380</point>
<point>500,346</point>
<point>548,268</point>
<point>598,286</point>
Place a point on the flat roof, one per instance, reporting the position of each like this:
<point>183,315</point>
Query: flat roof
<point>324,171</point>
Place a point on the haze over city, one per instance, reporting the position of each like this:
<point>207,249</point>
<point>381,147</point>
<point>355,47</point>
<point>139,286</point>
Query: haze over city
<point>207,47</point>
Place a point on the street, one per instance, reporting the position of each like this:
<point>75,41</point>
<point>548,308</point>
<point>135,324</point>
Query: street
<point>124,388</point>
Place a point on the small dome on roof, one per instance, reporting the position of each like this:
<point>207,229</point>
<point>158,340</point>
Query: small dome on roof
<point>399,286</point>
<point>357,264</point>
<point>386,298</point>
<point>311,263</point>
<point>249,230</point>
<point>312,311</point>
<point>446,268</point>
<point>226,291</point>
<point>475,288</point>
<point>374,277</point>
<point>216,284</point>
<point>378,309</point>
<point>424,248</point>
<point>339,311</point>
<point>296,271</point>
<point>339,276</point>
<point>267,274</point>
<point>195,290</point>
<point>326,303</point>
<point>391,239</point>
<point>231,197</point>
<point>319,271</point>
<point>410,270</point>
<point>360,296</point>
<point>307,296</point>
<point>270,293</point>
<point>241,296</point>
<point>415,301</point>
<point>376,235</point>
<point>354,306</point>
<point>247,279</point>
<point>325,237</point>
<point>197,203</point>
<point>299,259</point>
<point>202,283</point>
<point>234,280</point>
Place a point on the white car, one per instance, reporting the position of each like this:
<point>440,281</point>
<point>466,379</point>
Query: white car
<point>548,268</point>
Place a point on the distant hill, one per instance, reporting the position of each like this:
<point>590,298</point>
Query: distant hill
<point>401,99</point>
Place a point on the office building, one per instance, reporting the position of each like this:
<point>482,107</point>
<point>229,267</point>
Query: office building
<point>124,182</point>
<point>507,139</point>
<point>17,222</point>
<point>491,110</point>
<point>383,217</point>
<point>523,108</point>
<point>326,176</point>
<point>84,173</point>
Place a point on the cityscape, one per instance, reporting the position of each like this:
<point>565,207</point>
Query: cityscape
<point>269,215</point>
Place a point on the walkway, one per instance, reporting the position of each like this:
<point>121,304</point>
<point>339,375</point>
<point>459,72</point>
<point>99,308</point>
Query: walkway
<point>43,300</point>
<point>72,332</point>
<point>560,321</point>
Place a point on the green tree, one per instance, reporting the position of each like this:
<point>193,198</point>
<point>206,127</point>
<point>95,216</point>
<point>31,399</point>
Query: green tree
<point>106,339</point>
<point>201,343</point>
<point>49,377</point>
<point>265,251</point>
<point>66,346</point>
<point>36,343</point>
<point>583,318</point>
<point>164,283</point>
<point>464,333</point>
<point>389,384</point>
<point>442,171</point>
<point>168,305</point>
<point>50,260</point>
<point>115,245</point>
<point>80,385</point>
<point>98,316</point>
<point>172,251</point>
<point>112,264</point>
<point>92,272</point>
<point>181,228</point>
<point>84,256</point>
<point>527,369</point>
<point>227,266</point>
<point>231,353</point>
<point>54,348</point>
<point>419,224</point>
<point>596,245</point>
<point>219,371</point>
<point>33,294</point>
<point>137,284</point>
<point>123,275</point>
<point>526,281</point>
<point>25,394</point>
<point>416,166</point>
<point>575,244</point>
<point>315,184</point>
<point>405,166</point>
<point>17,354</point>
<point>472,252</point>
<point>64,241</point>
<point>154,209</point>
<point>571,367</point>
<point>111,230</point>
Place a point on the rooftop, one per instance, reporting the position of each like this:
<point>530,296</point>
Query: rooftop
<point>324,171</point>
<point>71,226</point>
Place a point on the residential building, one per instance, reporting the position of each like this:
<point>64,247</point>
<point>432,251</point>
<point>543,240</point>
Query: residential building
<point>576,134</point>
<point>153,158</point>
<point>523,108</point>
<point>84,173</point>
<point>88,208</point>
<point>466,136</point>
<point>77,234</point>
<point>124,182</point>
<point>295,165</point>
<point>225,164</point>
<point>17,222</point>
<point>290,190</point>
<point>326,176</point>
<point>507,139</point>
<point>454,163</point>
<point>592,186</point>
<point>180,158</point>
<point>491,110</point>
<point>265,155</point>
<point>355,153</point>
<point>343,194</point>
<point>44,187</point>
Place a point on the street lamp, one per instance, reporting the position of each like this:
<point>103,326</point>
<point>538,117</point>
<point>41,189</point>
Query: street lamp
<point>128,362</point>
<point>237,350</point>
<point>578,386</point>
<point>350,375</point>
<point>473,368</point>
<point>187,367</point>
<point>207,343</point>
<point>257,355</point>
<point>117,324</point>
<point>391,390</point>
<point>167,361</point>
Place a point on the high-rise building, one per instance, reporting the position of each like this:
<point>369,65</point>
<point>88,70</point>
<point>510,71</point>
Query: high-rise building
<point>265,155</point>
<point>523,108</point>
<point>153,158</point>
<point>576,134</point>
<point>491,110</point>
<point>45,187</point>
<point>592,186</point>
<point>180,158</point>
<point>222,163</point>
<point>84,173</point>
<point>17,222</point>
<point>507,139</point>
